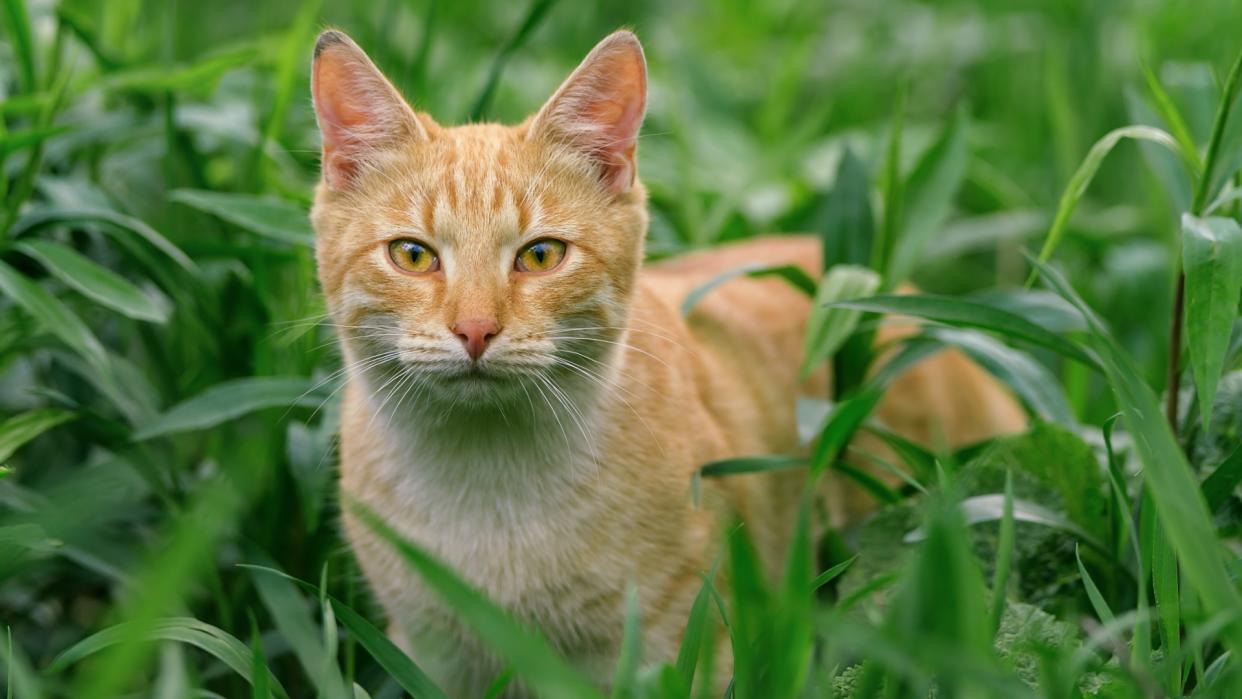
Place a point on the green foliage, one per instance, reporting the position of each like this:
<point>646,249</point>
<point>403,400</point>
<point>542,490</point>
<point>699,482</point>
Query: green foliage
<point>168,378</point>
<point>1212,258</point>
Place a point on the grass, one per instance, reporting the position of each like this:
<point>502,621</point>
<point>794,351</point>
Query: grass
<point>168,517</point>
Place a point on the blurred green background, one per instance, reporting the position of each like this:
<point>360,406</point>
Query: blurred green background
<point>133,113</point>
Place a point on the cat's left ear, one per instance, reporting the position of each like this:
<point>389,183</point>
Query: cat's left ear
<point>599,109</point>
<point>360,114</point>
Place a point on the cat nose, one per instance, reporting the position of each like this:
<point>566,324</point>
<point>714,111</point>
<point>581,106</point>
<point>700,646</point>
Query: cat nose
<point>475,334</point>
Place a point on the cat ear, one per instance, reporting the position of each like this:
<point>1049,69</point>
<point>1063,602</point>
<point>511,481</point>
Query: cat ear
<point>599,109</point>
<point>360,113</point>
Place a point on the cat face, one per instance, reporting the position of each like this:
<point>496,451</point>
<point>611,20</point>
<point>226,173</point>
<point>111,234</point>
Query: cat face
<point>470,261</point>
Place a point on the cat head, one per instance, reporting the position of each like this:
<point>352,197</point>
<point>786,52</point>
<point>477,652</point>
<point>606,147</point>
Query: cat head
<point>472,260</point>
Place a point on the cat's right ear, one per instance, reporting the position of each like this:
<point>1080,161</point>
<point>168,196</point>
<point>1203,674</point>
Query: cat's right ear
<point>360,113</point>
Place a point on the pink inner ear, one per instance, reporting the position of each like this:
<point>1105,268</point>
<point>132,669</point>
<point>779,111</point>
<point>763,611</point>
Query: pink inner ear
<point>338,120</point>
<point>359,113</point>
<point>622,116</point>
<point>599,109</point>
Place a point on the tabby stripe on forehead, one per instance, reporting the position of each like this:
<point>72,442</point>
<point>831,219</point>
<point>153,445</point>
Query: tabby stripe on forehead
<point>523,213</point>
<point>450,184</point>
<point>427,208</point>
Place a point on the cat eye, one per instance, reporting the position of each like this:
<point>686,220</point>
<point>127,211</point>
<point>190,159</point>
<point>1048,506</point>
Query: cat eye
<point>540,256</point>
<point>412,256</point>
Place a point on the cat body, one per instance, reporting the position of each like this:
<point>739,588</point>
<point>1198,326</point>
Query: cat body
<point>555,528</point>
<point>528,406</point>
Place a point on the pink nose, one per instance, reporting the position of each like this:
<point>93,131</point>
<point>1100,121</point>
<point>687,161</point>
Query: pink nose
<point>475,334</point>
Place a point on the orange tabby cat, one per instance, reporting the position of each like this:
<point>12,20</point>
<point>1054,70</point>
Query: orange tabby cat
<point>529,406</point>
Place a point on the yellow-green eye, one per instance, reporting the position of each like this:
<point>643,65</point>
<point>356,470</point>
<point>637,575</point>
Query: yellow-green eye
<point>412,256</point>
<point>541,256</point>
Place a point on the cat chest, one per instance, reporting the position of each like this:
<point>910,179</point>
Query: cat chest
<point>540,572</point>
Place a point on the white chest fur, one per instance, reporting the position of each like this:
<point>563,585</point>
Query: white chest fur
<point>520,511</point>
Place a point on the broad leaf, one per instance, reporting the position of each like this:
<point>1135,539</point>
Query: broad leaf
<point>1035,386</point>
<point>267,216</point>
<point>96,282</point>
<point>1212,262</point>
<point>845,223</point>
<point>43,217</point>
<point>54,315</point>
<point>233,399</point>
<point>829,326</point>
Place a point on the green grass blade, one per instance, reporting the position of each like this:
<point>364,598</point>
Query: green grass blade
<point>1077,187</point>
<point>16,141</point>
<point>1225,146</point>
<point>544,671</point>
<point>292,54</point>
<point>790,273</point>
<point>261,687</point>
<point>894,195</point>
<point>625,678</point>
<point>971,314</point>
<point>751,464</point>
<point>288,609</point>
<point>1212,263</point>
<point>54,315</point>
<point>1165,586</point>
<point>96,282</point>
<point>1169,478</point>
<point>832,573</point>
<point>928,197</point>
<point>23,427</point>
<point>218,643</point>
<point>21,682</point>
<point>1172,118</point>
<point>1219,486</point>
<point>1004,558</point>
<point>232,399</point>
<point>399,666</point>
<point>795,634</point>
<point>17,23</point>
<point>698,628</point>
<point>535,14</point>
<point>830,326</point>
<point>1102,611</point>
<point>846,226</point>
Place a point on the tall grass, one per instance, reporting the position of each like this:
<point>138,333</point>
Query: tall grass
<point>168,380</point>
